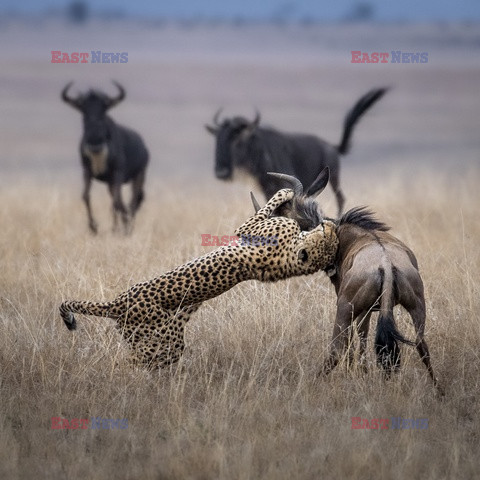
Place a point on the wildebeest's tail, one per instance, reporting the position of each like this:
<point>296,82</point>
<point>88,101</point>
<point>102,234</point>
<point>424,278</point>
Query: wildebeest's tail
<point>67,309</point>
<point>387,336</point>
<point>352,117</point>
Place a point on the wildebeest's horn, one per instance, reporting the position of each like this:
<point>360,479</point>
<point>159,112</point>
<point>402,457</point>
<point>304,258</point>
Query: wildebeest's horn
<point>74,102</point>
<point>211,129</point>
<point>319,183</point>
<point>121,95</point>
<point>256,120</point>
<point>216,117</point>
<point>295,183</point>
<point>256,205</point>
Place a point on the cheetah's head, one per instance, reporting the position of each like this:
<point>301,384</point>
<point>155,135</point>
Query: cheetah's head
<point>296,252</point>
<point>316,250</point>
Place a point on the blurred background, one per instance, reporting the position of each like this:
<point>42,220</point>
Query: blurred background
<point>268,10</point>
<point>291,60</point>
<point>248,402</point>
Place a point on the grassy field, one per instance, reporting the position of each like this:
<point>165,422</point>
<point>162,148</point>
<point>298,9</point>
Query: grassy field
<point>246,401</point>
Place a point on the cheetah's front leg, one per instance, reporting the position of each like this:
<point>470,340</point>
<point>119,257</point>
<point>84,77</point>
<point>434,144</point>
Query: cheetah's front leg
<point>282,196</point>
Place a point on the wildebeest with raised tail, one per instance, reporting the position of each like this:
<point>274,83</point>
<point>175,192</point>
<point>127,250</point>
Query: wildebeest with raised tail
<point>373,272</point>
<point>257,150</point>
<point>110,153</point>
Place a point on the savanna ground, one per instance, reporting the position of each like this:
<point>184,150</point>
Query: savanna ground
<point>246,401</point>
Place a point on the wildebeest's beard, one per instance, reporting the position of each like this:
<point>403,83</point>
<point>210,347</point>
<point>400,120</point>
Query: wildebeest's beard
<point>95,135</point>
<point>223,154</point>
<point>95,130</point>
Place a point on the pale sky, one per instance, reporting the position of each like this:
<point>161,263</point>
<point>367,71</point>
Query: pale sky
<point>423,10</point>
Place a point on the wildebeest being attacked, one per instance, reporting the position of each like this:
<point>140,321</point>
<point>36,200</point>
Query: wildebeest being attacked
<point>373,271</point>
<point>257,150</point>
<point>110,153</point>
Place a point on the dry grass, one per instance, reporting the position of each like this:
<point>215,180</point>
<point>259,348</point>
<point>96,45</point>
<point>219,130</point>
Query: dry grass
<point>245,402</point>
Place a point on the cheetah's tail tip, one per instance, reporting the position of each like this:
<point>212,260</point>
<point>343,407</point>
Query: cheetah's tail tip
<point>70,321</point>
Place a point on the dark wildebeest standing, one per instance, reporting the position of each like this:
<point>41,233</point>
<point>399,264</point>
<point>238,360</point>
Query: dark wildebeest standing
<point>110,153</point>
<point>258,150</point>
<point>373,271</point>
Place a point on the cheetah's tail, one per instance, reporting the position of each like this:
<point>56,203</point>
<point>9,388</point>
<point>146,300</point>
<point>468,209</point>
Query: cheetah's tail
<point>67,309</point>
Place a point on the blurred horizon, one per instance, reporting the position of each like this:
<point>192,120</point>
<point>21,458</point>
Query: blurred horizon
<point>251,10</point>
<point>300,76</point>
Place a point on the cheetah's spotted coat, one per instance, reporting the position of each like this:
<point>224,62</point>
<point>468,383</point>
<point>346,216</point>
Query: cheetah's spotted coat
<point>152,315</point>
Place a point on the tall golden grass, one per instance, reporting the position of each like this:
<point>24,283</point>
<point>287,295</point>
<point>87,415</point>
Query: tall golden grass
<point>245,401</point>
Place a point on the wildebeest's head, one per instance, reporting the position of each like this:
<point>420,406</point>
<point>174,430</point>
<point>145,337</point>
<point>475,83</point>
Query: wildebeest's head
<point>233,134</point>
<point>94,105</point>
<point>303,207</point>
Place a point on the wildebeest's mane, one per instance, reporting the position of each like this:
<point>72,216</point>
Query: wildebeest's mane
<point>364,218</point>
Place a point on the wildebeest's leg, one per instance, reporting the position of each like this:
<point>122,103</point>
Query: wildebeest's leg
<point>118,205</point>
<point>350,347</point>
<point>87,178</point>
<point>137,193</point>
<point>341,332</point>
<point>335,183</point>
<point>363,325</point>
<point>114,211</point>
<point>418,316</point>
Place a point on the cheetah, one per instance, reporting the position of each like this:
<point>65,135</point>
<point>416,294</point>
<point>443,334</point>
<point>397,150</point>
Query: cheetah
<point>152,315</point>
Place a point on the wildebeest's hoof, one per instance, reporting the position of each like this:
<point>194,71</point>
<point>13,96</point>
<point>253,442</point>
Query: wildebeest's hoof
<point>439,390</point>
<point>93,227</point>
